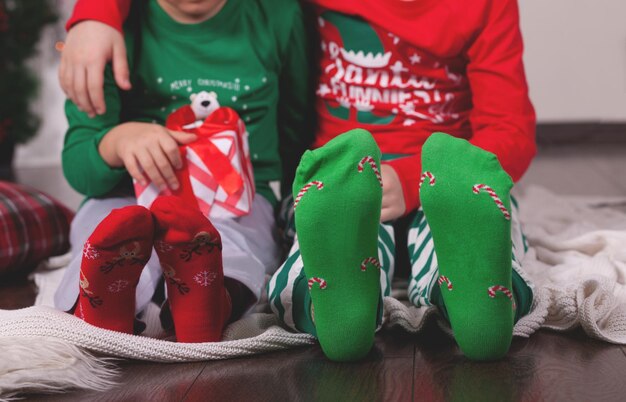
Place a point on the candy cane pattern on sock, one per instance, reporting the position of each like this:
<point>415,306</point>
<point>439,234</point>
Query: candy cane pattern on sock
<point>306,188</point>
<point>369,160</point>
<point>430,176</point>
<point>503,289</point>
<point>445,279</point>
<point>370,260</point>
<point>495,198</point>
<point>321,282</point>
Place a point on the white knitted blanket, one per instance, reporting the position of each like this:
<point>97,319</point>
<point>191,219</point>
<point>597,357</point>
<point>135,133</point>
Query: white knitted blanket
<point>577,262</point>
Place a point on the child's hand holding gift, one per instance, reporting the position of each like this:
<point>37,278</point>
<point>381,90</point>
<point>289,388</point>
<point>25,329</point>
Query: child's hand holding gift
<point>149,152</point>
<point>215,172</point>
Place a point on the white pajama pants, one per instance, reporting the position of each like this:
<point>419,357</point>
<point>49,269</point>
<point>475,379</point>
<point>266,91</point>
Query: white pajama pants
<point>249,249</point>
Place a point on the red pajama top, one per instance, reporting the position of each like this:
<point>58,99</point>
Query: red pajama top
<point>405,69</point>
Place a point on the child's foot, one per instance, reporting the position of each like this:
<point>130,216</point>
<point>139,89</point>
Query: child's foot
<point>338,192</point>
<point>113,258</point>
<point>465,196</point>
<point>190,252</point>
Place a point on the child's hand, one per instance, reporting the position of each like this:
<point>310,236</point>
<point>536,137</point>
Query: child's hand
<point>146,149</point>
<point>393,196</point>
<point>88,47</point>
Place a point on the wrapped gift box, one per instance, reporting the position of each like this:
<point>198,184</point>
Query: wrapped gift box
<point>217,173</point>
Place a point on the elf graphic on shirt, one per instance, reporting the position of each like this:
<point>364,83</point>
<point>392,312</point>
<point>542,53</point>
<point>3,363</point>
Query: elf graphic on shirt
<point>373,77</point>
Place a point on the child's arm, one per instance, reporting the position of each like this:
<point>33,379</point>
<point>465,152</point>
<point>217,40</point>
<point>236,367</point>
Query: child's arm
<point>145,150</point>
<point>110,12</point>
<point>83,166</point>
<point>94,38</point>
<point>503,119</point>
<point>99,153</point>
<point>88,47</point>
<point>295,107</point>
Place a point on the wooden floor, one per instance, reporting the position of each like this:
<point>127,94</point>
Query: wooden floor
<point>548,366</point>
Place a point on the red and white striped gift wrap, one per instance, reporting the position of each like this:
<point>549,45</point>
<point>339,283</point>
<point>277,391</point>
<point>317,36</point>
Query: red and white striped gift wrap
<point>218,173</point>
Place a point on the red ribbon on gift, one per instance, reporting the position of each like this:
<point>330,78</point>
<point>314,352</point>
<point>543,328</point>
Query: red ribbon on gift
<point>218,164</point>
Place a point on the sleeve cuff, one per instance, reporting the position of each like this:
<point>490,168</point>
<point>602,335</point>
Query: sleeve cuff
<point>106,176</point>
<point>102,11</point>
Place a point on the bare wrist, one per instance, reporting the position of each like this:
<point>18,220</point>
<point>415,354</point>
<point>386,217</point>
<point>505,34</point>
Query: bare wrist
<point>109,145</point>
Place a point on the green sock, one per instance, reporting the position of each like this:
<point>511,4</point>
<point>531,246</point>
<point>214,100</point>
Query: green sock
<point>338,195</point>
<point>467,209</point>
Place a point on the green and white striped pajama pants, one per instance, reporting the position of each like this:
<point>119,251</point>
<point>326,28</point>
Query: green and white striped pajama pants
<point>422,256</point>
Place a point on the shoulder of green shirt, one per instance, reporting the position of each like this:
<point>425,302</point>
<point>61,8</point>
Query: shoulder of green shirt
<point>283,15</point>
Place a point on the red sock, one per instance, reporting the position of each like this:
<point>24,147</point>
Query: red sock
<point>113,258</point>
<point>190,251</point>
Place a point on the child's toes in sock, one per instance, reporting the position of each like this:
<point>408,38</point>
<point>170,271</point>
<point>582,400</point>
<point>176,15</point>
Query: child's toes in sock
<point>190,252</point>
<point>337,192</point>
<point>113,258</point>
<point>465,197</point>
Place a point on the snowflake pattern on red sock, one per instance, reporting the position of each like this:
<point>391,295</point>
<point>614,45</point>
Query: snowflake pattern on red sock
<point>189,250</point>
<point>163,247</point>
<point>113,258</point>
<point>205,278</point>
<point>90,252</point>
<point>117,286</point>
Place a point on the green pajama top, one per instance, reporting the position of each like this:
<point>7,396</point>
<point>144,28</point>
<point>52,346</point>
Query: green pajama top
<point>253,54</point>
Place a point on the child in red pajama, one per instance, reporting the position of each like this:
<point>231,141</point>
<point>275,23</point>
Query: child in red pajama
<point>214,271</point>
